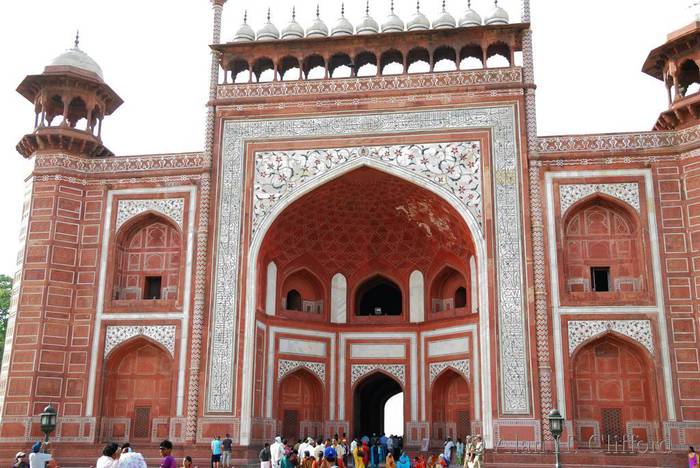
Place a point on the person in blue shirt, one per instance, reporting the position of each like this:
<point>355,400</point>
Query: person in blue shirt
<point>216,452</point>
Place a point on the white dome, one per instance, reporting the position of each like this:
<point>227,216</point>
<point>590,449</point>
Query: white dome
<point>392,23</point>
<point>445,20</point>
<point>470,17</point>
<point>418,21</point>
<point>497,16</point>
<point>293,30</point>
<point>78,59</point>
<point>269,31</point>
<point>318,28</point>
<point>245,33</point>
<point>342,27</point>
<point>367,25</point>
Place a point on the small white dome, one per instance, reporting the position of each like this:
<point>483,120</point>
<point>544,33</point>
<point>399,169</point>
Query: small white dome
<point>445,20</point>
<point>342,27</point>
<point>293,30</point>
<point>78,59</point>
<point>418,21</point>
<point>367,25</point>
<point>470,17</point>
<point>318,28</point>
<point>497,16</point>
<point>245,33</point>
<point>392,23</point>
<point>269,31</point>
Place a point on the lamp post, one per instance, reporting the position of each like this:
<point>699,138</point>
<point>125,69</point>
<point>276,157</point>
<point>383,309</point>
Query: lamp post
<point>556,423</point>
<point>48,422</point>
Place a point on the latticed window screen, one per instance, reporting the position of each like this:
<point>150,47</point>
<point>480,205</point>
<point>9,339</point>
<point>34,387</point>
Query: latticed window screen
<point>463,428</point>
<point>290,424</point>
<point>142,422</point>
<point>612,424</point>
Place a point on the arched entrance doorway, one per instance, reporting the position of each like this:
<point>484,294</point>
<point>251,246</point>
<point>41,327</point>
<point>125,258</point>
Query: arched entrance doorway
<point>450,414</point>
<point>138,389</point>
<point>613,392</point>
<point>369,399</point>
<point>300,404</point>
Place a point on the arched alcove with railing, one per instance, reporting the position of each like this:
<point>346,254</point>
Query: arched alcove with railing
<point>302,291</point>
<point>366,64</point>
<point>289,68</point>
<point>391,62</point>
<point>378,296</point>
<point>603,254</point>
<point>418,60</point>
<point>314,67</point>
<point>340,66</point>
<point>444,59</point>
<point>147,261</point>
<point>498,55</point>
<point>449,293</point>
<point>471,57</point>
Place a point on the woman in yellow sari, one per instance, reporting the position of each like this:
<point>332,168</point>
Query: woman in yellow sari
<point>357,455</point>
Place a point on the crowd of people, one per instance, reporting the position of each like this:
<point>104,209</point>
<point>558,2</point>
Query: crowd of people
<point>367,452</point>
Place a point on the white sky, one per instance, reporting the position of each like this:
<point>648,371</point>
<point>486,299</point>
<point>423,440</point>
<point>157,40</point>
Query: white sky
<point>154,54</point>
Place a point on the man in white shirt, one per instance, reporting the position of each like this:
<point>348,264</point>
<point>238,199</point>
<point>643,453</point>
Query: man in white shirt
<point>277,452</point>
<point>449,445</point>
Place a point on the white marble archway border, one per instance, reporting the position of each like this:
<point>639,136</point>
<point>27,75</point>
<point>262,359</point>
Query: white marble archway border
<point>460,366</point>
<point>161,334</point>
<point>505,165</point>
<point>287,366</point>
<point>583,331</point>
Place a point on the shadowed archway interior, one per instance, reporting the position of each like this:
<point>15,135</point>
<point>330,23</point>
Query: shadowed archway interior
<point>369,399</point>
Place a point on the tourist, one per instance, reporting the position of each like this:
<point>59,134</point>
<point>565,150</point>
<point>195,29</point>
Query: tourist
<point>131,459</point>
<point>404,462</point>
<point>109,458</point>
<point>21,460</point>
<point>340,453</point>
<point>318,449</point>
<point>468,452</point>
<point>265,456</point>
<point>288,459</point>
<point>375,454</point>
<point>316,463</point>
<point>390,462</point>
<point>365,451</point>
<point>216,452</point>
<point>419,461</point>
<point>478,453</point>
<point>693,461</point>
<point>276,452</point>
<point>357,456</point>
<point>459,451</point>
<point>38,458</point>
<point>449,445</point>
<point>226,447</point>
<point>308,461</point>
<point>166,449</point>
<point>330,456</point>
<point>187,462</point>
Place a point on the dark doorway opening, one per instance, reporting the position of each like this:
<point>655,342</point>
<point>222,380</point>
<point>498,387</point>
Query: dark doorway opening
<point>370,398</point>
<point>153,287</point>
<point>378,296</point>
<point>600,279</point>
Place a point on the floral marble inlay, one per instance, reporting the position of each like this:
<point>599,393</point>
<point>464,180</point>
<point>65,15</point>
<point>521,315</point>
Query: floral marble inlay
<point>173,208</point>
<point>626,192</point>
<point>583,330</point>
<point>163,334</point>
<point>357,371</point>
<point>460,365</point>
<point>285,366</point>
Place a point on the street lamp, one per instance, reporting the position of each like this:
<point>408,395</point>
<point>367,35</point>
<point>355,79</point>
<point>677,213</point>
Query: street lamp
<point>48,421</point>
<point>556,423</point>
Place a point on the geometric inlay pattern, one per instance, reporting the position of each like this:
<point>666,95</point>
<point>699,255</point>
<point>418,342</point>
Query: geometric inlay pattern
<point>285,367</point>
<point>626,192</point>
<point>583,330</point>
<point>170,207</point>
<point>163,334</point>
<point>460,365</point>
<point>357,371</point>
<point>456,166</point>
<point>505,163</point>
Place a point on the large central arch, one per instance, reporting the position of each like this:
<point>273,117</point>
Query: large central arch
<point>369,398</point>
<point>417,411</point>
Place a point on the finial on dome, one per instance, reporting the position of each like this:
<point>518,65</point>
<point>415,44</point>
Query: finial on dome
<point>417,5</point>
<point>318,10</point>
<point>77,38</point>
<point>443,5</point>
<point>392,7</point>
<point>342,10</point>
<point>268,14</point>
<point>245,17</point>
<point>497,16</point>
<point>294,13</point>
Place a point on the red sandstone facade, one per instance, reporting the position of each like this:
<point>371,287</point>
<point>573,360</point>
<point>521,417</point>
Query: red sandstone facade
<point>340,240</point>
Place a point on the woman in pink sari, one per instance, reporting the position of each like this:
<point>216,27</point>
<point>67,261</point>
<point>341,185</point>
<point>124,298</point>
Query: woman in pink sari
<point>693,461</point>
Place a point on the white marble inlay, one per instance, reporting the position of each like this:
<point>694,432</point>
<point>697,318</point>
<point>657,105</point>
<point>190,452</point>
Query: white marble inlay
<point>571,193</point>
<point>302,347</point>
<point>459,365</point>
<point>173,208</point>
<point>371,350</point>
<point>448,347</point>
<point>117,334</point>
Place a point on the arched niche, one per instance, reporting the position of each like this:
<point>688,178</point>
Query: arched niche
<point>302,291</point>
<point>450,408</point>
<point>378,296</point>
<point>418,60</point>
<point>340,66</point>
<point>444,59</point>
<point>498,55</point>
<point>300,402</point>
<point>603,252</point>
<point>688,78</point>
<point>147,260</point>
<point>391,62</point>
<point>613,391</point>
<point>138,387</point>
<point>471,57</point>
<point>449,291</point>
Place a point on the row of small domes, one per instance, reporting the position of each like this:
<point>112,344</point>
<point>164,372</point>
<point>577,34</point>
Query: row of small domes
<point>368,25</point>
